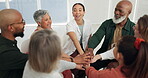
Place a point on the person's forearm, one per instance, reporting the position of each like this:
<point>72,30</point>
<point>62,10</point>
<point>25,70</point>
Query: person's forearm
<point>107,55</point>
<point>75,41</point>
<point>78,47</point>
<point>64,55</point>
<point>70,59</point>
<point>90,50</point>
<point>64,65</point>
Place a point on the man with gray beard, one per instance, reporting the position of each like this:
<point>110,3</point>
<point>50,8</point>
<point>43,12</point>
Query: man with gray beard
<point>113,30</point>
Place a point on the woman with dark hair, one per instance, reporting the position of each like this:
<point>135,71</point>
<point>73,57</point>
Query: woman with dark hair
<point>132,55</point>
<point>78,31</point>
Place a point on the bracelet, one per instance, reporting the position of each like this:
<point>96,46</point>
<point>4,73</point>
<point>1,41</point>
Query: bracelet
<point>71,58</point>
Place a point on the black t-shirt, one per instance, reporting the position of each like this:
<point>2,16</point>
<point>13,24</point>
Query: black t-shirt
<point>12,61</point>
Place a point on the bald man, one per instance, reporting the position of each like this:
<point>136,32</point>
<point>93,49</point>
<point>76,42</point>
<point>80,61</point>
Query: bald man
<point>113,29</point>
<point>12,61</point>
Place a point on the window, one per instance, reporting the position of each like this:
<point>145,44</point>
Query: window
<point>2,4</point>
<point>56,8</point>
<point>26,7</point>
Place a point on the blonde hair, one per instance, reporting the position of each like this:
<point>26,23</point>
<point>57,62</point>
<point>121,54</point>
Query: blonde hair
<point>44,51</point>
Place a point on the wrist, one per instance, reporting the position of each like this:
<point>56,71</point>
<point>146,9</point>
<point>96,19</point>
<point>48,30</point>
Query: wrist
<point>90,50</point>
<point>72,59</point>
<point>99,57</point>
<point>81,53</point>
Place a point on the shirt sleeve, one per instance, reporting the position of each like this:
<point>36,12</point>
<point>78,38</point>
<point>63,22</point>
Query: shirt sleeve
<point>91,72</point>
<point>97,36</point>
<point>65,65</point>
<point>69,28</point>
<point>108,54</point>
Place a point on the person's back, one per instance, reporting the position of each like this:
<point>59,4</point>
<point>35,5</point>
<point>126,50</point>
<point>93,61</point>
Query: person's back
<point>30,73</point>
<point>44,55</point>
<point>12,61</point>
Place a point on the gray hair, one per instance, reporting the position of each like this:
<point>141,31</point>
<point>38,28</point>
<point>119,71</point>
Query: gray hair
<point>38,15</point>
<point>44,51</point>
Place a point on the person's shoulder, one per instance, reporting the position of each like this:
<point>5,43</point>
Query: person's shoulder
<point>71,22</point>
<point>108,20</point>
<point>131,21</point>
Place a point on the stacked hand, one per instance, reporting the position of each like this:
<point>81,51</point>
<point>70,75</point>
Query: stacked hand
<point>96,57</point>
<point>83,59</point>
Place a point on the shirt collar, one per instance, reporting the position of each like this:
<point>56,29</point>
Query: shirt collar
<point>7,40</point>
<point>126,26</point>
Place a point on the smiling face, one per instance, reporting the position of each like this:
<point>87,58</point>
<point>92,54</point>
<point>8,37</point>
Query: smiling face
<point>45,22</point>
<point>17,25</point>
<point>78,12</point>
<point>12,23</point>
<point>122,11</point>
<point>18,28</point>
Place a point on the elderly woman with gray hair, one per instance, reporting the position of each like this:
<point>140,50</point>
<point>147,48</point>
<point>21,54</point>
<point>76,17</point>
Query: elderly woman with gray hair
<point>43,19</point>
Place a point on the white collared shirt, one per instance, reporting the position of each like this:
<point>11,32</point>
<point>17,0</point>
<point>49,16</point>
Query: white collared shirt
<point>72,26</point>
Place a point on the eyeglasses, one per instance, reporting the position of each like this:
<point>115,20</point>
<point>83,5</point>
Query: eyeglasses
<point>22,22</point>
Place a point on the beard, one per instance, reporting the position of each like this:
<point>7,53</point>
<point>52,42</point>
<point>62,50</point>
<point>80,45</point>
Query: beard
<point>118,20</point>
<point>20,34</point>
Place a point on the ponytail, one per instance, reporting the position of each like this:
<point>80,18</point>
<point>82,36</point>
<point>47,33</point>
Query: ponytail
<point>135,55</point>
<point>140,67</point>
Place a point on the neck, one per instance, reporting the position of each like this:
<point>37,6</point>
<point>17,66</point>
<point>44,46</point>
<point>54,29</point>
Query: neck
<point>123,22</point>
<point>80,22</point>
<point>8,36</point>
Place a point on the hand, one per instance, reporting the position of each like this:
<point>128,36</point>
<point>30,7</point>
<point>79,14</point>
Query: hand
<point>86,66</point>
<point>80,67</point>
<point>97,57</point>
<point>87,57</point>
<point>82,59</point>
<point>90,50</point>
<point>81,53</point>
